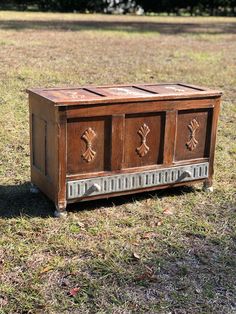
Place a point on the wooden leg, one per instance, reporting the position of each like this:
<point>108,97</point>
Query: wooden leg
<point>60,211</point>
<point>208,186</point>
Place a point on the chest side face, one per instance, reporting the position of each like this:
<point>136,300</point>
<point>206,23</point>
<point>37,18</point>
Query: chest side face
<point>193,134</point>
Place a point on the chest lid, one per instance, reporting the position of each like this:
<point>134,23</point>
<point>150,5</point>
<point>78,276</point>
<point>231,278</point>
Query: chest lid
<point>122,93</point>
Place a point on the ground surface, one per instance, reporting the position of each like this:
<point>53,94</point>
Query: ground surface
<point>164,252</point>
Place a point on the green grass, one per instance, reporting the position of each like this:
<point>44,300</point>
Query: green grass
<point>161,252</point>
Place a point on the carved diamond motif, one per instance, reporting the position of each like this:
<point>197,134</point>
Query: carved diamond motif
<point>192,143</point>
<point>88,136</point>
<point>143,149</point>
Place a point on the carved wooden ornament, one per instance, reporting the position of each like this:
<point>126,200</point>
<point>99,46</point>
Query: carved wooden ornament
<point>143,149</point>
<point>192,143</point>
<point>88,137</point>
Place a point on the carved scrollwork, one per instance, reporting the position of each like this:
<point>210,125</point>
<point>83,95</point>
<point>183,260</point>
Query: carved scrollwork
<point>143,149</point>
<point>88,136</point>
<point>192,143</point>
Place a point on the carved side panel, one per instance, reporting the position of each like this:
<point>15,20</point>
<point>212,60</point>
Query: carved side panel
<point>192,143</point>
<point>39,143</point>
<point>143,149</point>
<point>88,136</point>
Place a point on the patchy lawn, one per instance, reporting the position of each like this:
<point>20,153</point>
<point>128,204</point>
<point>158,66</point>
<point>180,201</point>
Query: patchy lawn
<point>161,252</point>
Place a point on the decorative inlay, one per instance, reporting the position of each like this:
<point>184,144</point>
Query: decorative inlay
<point>88,136</point>
<point>74,95</point>
<point>143,149</point>
<point>193,126</point>
<point>127,91</point>
<point>179,90</point>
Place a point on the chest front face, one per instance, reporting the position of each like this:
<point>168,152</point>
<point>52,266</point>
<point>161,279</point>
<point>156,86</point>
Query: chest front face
<point>137,136</point>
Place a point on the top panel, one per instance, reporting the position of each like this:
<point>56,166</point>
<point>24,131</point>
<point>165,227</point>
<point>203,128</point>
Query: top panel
<point>125,91</point>
<point>75,94</point>
<point>122,93</point>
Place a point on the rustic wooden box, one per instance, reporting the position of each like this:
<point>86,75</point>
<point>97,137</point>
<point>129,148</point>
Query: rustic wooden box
<point>94,142</point>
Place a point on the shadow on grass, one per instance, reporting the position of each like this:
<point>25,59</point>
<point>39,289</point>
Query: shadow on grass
<point>122,200</point>
<point>124,26</point>
<point>17,201</point>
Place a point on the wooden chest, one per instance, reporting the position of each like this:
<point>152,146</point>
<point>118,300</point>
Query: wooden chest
<point>95,142</point>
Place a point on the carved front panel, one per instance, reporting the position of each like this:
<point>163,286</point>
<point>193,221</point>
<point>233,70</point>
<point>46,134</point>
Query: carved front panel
<point>193,134</point>
<point>144,136</point>
<point>88,145</point>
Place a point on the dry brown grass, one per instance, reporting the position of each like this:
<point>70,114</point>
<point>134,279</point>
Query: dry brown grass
<point>125,255</point>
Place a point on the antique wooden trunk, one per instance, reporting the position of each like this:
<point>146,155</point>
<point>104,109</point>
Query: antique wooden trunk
<point>95,142</point>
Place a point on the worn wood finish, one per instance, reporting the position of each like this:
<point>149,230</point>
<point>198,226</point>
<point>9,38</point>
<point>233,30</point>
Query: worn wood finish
<point>208,182</point>
<point>147,107</point>
<point>170,137</point>
<point>117,140</point>
<point>61,202</point>
<point>90,132</point>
